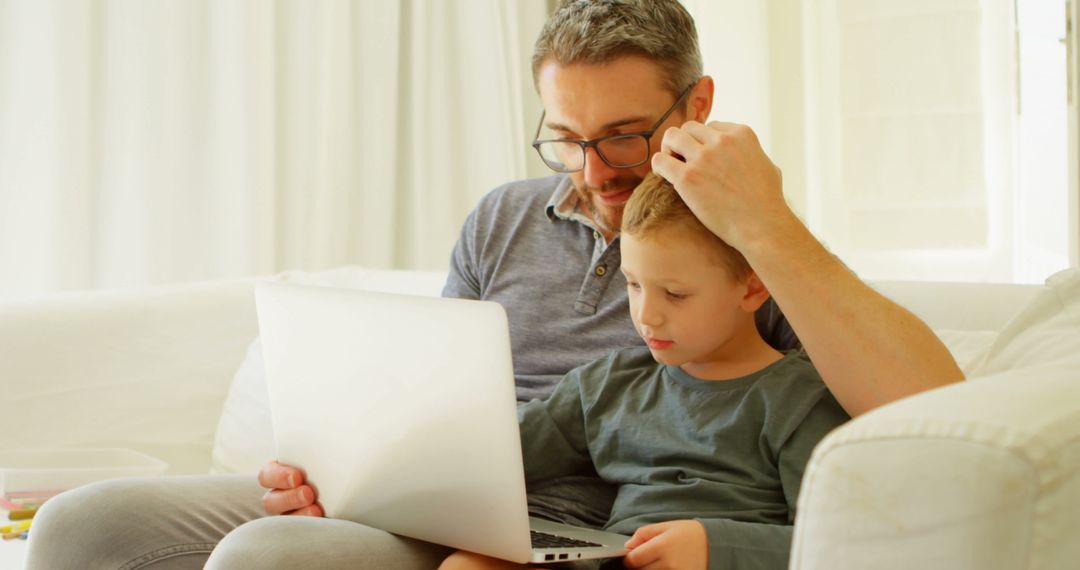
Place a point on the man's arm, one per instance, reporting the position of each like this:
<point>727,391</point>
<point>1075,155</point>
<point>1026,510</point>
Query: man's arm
<point>869,350</point>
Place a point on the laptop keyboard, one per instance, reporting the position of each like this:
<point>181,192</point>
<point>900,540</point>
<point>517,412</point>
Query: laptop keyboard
<point>545,540</point>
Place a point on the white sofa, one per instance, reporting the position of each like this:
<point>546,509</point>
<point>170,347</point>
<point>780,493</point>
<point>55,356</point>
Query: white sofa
<point>983,474</point>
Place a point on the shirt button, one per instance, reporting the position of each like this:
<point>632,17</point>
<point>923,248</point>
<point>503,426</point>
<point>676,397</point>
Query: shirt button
<point>595,234</point>
<point>600,270</point>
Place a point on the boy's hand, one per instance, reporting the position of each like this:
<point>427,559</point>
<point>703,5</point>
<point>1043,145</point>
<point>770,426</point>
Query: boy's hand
<point>680,545</point>
<point>288,494</point>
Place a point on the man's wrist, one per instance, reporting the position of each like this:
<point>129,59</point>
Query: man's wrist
<point>777,233</point>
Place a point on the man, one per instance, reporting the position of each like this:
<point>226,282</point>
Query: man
<point>606,71</point>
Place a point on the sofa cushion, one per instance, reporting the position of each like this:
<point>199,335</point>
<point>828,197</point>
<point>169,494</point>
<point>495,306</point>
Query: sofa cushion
<point>1046,330</point>
<point>244,440</point>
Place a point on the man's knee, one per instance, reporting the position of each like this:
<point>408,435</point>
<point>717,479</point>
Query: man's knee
<point>93,505</point>
<point>298,542</point>
<point>291,542</point>
<point>79,528</point>
<point>262,543</point>
<point>156,522</point>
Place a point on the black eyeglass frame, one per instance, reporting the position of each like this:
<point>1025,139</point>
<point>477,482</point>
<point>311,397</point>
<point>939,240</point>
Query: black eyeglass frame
<point>594,143</point>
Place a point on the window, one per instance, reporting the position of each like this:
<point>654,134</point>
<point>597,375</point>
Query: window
<point>936,137</point>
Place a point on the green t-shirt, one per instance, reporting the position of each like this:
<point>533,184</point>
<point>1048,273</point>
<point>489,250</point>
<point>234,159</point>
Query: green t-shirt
<point>730,453</point>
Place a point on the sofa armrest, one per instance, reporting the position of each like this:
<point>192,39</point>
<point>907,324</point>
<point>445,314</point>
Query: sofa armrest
<point>146,369</point>
<point>983,474</point>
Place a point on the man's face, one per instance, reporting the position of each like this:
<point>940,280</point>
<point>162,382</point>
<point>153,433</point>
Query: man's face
<point>585,102</point>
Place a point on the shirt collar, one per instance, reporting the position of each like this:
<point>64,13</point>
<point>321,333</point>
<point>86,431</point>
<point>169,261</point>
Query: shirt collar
<point>565,204</point>
<point>563,201</point>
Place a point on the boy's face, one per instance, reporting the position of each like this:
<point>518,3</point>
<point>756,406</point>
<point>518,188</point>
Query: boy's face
<point>684,304</point>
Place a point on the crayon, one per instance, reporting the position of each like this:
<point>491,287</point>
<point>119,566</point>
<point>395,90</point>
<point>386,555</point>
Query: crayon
<point>15,527</point>
<point>21,514</point>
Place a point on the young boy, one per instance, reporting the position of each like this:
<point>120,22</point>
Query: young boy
<point>707,430</point>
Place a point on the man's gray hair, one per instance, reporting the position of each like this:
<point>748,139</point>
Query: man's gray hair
<point>599,31</point>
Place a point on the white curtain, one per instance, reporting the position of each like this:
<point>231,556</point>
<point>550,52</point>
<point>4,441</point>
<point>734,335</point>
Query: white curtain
<point>734,40</point>
<point>171,140</point>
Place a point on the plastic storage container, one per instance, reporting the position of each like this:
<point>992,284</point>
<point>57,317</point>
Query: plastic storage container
<point>44,471</point>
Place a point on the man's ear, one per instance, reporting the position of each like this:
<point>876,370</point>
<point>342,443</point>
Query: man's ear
<point>756,293</point>
<point>700,100</point>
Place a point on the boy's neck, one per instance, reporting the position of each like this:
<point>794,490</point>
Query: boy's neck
<point>742,355</point>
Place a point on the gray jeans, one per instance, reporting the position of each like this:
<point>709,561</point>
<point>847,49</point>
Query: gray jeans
<point>171,523</point>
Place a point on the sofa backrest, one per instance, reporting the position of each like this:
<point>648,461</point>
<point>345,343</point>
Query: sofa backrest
<point>145,369</point>
<point>150,368</point>
<point>959,306</point>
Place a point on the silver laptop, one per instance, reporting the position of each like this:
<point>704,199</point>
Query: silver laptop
<point>402,412</point>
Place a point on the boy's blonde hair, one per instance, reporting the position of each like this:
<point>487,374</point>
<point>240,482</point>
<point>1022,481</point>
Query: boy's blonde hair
<point>655,204</point>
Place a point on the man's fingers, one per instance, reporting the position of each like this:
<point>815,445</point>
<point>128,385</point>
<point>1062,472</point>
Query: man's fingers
<point>668,167</point>
<point>705,134</point>
<point>724,126</point>
<point>274,475</point>
<point>729,136</point>
<point>677,141</point>
<point>283,501</point>
<point>286,500</point>
<point>736,129</point>
<point>308,511</point>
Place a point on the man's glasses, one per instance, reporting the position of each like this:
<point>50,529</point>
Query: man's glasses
<point>625,150</point>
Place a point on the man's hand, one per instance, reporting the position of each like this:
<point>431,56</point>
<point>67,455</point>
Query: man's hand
<point>287,494</point>
<point>680,545</point>
<point>725,178</point>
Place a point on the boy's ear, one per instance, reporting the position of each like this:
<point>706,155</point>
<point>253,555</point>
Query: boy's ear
<point>756,293</point>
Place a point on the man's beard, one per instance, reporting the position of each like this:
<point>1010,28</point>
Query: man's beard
<point>610,218</point>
